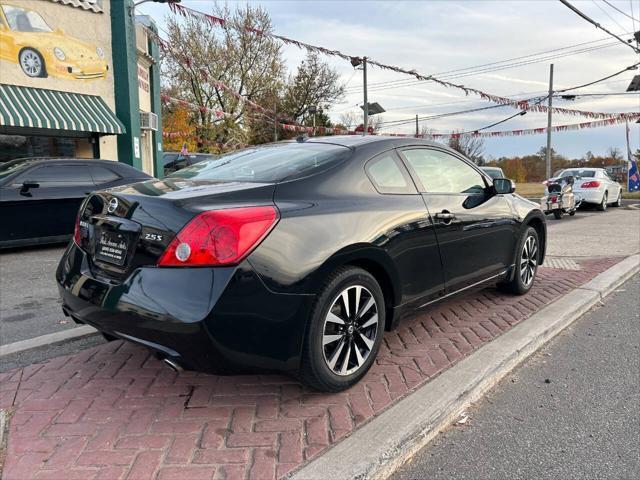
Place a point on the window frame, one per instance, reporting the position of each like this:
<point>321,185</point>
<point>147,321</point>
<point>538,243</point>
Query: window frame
<point>488,182</point>
<point>410,189</point>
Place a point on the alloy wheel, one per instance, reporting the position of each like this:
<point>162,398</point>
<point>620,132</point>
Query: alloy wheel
<point>529,260</point>
<point>31,63</point>
<point>350,330</point>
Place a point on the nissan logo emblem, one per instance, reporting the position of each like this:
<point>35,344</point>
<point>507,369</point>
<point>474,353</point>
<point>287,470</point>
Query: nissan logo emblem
<point>113,205</point>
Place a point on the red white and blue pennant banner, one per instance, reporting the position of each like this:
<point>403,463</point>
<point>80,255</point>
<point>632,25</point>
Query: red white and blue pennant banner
<point>518,104</point>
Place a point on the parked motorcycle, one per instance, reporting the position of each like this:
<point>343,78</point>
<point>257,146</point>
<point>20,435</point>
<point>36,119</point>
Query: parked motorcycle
<point>560,198</point>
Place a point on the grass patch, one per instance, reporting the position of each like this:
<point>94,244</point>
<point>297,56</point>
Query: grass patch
<point>530,190</point>
<point>631,195</point>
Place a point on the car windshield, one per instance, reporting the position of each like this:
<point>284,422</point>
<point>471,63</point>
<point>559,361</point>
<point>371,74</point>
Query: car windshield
<point>14,166</point>
<point>267,164</point>
<point>494,172</point>
<point>578,173</point>
<point>21,20</point>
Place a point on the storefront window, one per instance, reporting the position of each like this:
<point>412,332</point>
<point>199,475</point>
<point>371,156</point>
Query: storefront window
<point>20,146</point>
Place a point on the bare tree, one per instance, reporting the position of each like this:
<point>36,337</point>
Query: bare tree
<point>471,147</point>
<point>376,122</point>
<point>251,65</point>
<point>349,119</point>
<point>615,154</point>
<point>315,84</point>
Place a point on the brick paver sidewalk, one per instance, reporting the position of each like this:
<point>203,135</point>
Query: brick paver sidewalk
<point>115,412</point>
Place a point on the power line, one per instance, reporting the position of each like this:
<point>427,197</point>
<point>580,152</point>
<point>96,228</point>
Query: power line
<point>623,12</point>
<point>580,86</point>
<point>603,94</point>
<point>597,25</point>
<point>632,67</point>
<point>607,14</point>
<point>396,123</point>
<point>407,82</point>
<point>504,61</point>
<point>518,114</point>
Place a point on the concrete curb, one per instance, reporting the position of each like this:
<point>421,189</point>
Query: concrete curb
<point>44,340</point>
<point>381,446</point>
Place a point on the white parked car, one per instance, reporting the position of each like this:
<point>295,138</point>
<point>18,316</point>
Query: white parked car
<point>595,186</point>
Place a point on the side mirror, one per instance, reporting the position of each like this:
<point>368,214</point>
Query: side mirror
<point>503,185</point>
<point>26,186</point>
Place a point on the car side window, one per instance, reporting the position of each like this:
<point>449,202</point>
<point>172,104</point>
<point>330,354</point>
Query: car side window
<point>388,175</point>
<point>103,175</point>
<point>60,176</point>
<point>440,172</point>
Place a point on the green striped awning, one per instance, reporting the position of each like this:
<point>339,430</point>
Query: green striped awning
<point>56,110</point>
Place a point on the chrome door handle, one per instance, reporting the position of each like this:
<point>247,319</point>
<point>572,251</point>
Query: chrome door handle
<point>445,216</point>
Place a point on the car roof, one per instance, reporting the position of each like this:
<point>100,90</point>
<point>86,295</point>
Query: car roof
<point>118,166</point>
<point>354,141</point>
<point>583,168</point>
<point>39,160</point>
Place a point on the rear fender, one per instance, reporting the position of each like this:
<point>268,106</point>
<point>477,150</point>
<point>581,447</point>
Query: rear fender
<point>373,259</point>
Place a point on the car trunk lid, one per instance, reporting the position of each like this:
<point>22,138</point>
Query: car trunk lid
<point>128,227</point>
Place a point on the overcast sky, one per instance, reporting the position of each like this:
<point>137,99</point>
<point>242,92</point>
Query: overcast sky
<point>434,37</point>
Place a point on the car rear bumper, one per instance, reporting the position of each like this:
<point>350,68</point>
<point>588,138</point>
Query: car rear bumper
<point>208,319</point>
<point>590,195</point>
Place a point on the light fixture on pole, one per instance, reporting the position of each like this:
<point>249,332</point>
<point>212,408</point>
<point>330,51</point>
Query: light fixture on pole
<point>313,110</point>
<point>356,62</point>
<point>634,86</point>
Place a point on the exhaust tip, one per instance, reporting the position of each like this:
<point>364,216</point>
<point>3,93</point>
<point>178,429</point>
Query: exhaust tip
<point>175,366</point>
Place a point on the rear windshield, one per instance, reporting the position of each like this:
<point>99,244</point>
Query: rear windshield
<point>271,163</point>
<point>579,173</point>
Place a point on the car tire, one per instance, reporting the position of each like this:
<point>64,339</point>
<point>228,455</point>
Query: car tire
<point>618,202</point>
<point>602,206</point>
<point>525,273</point>
<point>358,327</point>
<point>32,63</point>
<point>557,214</point>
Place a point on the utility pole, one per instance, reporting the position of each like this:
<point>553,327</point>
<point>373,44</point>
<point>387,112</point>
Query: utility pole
<point>365,124</point>
<point>417,131</point>
<point>548,170</point>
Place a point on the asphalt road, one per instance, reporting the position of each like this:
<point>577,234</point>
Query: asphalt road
<point>29,300</point>
<point>570,412</point>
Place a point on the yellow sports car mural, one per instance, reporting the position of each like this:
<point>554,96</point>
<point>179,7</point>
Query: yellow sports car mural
<point>27,39</point>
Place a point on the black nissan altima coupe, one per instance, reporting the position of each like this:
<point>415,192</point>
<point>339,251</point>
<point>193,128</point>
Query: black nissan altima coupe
<point>295,256</point>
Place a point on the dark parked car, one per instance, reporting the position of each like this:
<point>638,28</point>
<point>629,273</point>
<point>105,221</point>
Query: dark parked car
<point>295,256</point>
<point>40,197</point>
<point>174,161</point>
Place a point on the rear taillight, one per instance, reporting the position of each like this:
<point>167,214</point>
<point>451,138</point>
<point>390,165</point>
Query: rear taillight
<point>554,199</point>
<point>591,184</point>
<point>77,234</point>
<point>219,237</point>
